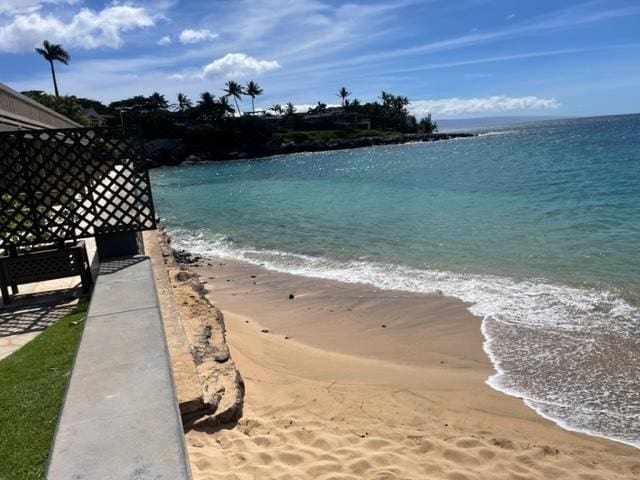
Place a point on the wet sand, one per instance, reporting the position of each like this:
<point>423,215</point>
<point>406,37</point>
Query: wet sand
<point>349,381</point>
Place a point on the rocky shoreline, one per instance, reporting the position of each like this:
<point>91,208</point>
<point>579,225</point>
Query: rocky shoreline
<point>172,152</point>
<point>209,387</point>
<point>344,143</point>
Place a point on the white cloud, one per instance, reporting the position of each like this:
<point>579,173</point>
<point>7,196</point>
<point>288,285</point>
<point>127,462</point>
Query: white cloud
<point>498,103</point>
<point>304,108</point>
<point>166,40</point>
<point>87,29</point>
<point>12,7</point>
<point>237,65</point>
<point>196,36</point>
<point>557,20</point>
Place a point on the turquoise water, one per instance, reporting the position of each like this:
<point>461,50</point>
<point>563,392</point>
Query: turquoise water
<point>536,226</point>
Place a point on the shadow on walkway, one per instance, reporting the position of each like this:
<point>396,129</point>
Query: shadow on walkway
<point>116,264</point>
<point>36,311</point>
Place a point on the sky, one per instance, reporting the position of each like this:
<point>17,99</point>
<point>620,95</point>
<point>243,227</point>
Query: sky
<point>454,59</point>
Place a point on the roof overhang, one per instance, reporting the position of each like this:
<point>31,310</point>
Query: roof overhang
<point>19,112</point>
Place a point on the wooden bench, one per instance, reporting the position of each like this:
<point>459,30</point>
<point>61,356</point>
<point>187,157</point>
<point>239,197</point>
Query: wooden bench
<point>45,263</point>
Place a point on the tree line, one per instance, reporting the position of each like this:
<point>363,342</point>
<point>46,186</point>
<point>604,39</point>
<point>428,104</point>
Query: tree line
<point>388,111</point>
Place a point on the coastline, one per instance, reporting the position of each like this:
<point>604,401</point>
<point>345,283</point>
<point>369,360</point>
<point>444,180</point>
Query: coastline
<point>173,153</point>
<point>414,359</point>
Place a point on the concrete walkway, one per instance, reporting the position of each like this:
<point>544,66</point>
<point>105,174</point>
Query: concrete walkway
<point>120,418</point>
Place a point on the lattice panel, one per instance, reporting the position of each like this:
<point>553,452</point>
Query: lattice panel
<point>72,183</point>
<point>31,267</point>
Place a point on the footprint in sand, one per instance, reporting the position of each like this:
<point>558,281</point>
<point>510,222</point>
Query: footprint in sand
<point>322,468</point>
<point>457,476</point>
<point>290,458</point>
<point>469,443</point>
<point>486,454</point>
<point>503,443</point>
<point>375,443</point>
<point>459,457</point>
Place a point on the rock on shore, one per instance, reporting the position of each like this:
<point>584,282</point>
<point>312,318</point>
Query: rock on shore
<point>279,147</point>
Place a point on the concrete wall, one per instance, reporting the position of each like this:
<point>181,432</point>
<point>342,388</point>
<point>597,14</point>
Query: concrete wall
<point>120,419</point>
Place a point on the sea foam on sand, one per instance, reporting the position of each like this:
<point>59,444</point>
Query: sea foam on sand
<point>571,354</point>
<point>346,381</point>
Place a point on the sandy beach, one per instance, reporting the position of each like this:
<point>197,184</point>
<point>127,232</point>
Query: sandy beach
<point>348,381</point>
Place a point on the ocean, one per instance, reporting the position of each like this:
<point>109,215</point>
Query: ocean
<point>536,226</point>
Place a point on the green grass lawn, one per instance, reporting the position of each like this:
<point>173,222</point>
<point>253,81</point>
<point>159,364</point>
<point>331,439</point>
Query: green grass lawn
<point>32,386</point>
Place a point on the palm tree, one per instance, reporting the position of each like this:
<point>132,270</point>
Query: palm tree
<point>158,102</point>
<point>291,109</point>
<point>224,106</point>
<point>234,89</point>
<point>386,98</point>
<point>253,90</point>
<point>343,93</point>
<point>353,105</point>
<point>51,52</point>
<point>321,107</point>
<point>277,109</point>
<point>184,102</point>
<point>206,104</point>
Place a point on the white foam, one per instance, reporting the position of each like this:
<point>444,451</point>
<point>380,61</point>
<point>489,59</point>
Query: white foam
<point>496,132</point>
<point>533,324</point>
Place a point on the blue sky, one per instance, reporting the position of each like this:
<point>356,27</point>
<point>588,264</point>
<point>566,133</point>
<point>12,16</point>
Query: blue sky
<point>456,59</point>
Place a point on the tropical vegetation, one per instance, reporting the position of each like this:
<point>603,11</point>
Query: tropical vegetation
<point>67,105</point>
<point>52,52</point>
<point>253,90</point>
<point>235,90</point>
<point>160,119</point>
<point>214,124</point>
<point>343,93</point>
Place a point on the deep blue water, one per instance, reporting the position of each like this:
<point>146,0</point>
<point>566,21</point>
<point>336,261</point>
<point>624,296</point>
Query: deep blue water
<point>537,226</point>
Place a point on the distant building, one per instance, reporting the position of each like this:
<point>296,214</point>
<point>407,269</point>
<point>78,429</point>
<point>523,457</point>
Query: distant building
<point>338,117</point>
<point>279,122</point>
<point>96,118</point>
